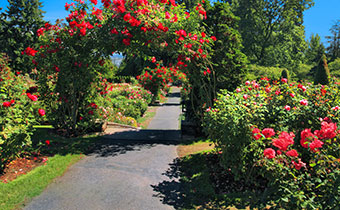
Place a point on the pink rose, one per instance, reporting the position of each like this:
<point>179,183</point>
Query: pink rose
<point>287,108</point>
<point>41,112</point>
<point>304,102</point>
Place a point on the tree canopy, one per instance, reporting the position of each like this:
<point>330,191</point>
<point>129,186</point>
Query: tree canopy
<point>19,24</point>
<point>272,30</point>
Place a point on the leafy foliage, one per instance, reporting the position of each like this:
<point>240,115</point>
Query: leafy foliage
<point>272,31</point>
<point>256,72</point>
<point>315,49</point>
<point>229,62</point>
<point>334,68</point>
<point>19,24</point>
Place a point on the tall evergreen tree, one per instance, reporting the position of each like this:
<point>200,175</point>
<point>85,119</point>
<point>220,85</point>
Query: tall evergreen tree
<point>229,61</point>
<point>19,24</point>
<point>315,49</point>
<point>333,50</point>
<point>322,74</point>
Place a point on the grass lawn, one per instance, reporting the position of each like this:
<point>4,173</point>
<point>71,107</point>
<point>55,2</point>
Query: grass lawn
<point>144,121</point>
<point>24,188</point>
<point>205,184</point>
<point>61,153</point>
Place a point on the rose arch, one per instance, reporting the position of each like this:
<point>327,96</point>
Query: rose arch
<point>71,52</point>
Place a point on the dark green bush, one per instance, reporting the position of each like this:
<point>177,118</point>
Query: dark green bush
<point>285,74</point>
<point>322,75</point>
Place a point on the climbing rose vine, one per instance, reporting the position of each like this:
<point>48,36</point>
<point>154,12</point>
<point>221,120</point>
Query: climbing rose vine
<point>69,55</point>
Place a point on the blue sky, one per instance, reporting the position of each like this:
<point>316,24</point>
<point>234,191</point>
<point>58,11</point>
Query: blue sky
<point>319,19</point>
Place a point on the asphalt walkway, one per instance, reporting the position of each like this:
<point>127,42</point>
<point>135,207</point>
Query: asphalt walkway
<point>123,172</point>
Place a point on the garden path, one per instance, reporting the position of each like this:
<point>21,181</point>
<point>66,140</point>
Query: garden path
<point>123,170</point>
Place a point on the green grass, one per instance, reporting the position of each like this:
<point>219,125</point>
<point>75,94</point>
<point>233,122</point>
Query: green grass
<point>24,188</point>
<point>63,152</point>
<point>148,115</point>
<point>198,191</point>
<point>196,141</point>
<point>42,126</point>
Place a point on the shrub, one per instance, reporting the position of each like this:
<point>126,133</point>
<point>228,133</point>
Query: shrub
<point>334,67</point>
<point>256,72</point>
<point>240,117</point>
<point>19,109</point>
<point>285,74</point>
<point>303,175</point>
<point>322,75</point>
<point>303,72</point>
<point>122,103</point>
<point>156,80</point>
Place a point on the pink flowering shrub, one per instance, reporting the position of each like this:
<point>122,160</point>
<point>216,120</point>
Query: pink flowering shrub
<point>20,109</point>
<point>121,102</point>
<point>275,133</point>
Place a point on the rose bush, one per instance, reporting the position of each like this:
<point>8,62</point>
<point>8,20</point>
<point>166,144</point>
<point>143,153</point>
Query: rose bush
<point>305,174</point>
<point>159,78</point>
<point>19,111</point>
<point>67,60</point>
<point>235,124</point>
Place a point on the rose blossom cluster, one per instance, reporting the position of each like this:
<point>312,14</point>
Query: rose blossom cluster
<point>312,140</point>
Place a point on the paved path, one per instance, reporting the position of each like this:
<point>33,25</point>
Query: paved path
<point>123,172</point>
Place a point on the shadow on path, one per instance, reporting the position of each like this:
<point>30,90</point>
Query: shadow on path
<point>171,192</point>
<point>107,147</point>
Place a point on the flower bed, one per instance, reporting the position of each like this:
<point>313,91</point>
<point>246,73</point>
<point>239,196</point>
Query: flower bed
<point>19,110</point>
<point>122,102</point>
<point>284,133</point>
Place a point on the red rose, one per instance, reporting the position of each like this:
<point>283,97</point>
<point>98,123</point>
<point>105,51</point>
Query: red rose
<point>299,165</point>
<point>126,42</point>
<point>268,132</point>
<point>6,104</point>
<point>153,60</point>
<point>269,153</point>
<point>41,112</point>
<point>287,108</point>
<point>306,136</point>
<point>30,51</point>
<point>47,142</point>
<point>256,133</point>
<point>304,102</point>
<point>284,141</point>
<point>292,153</point>
<point>315,144</point>
<point>32,97</point>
